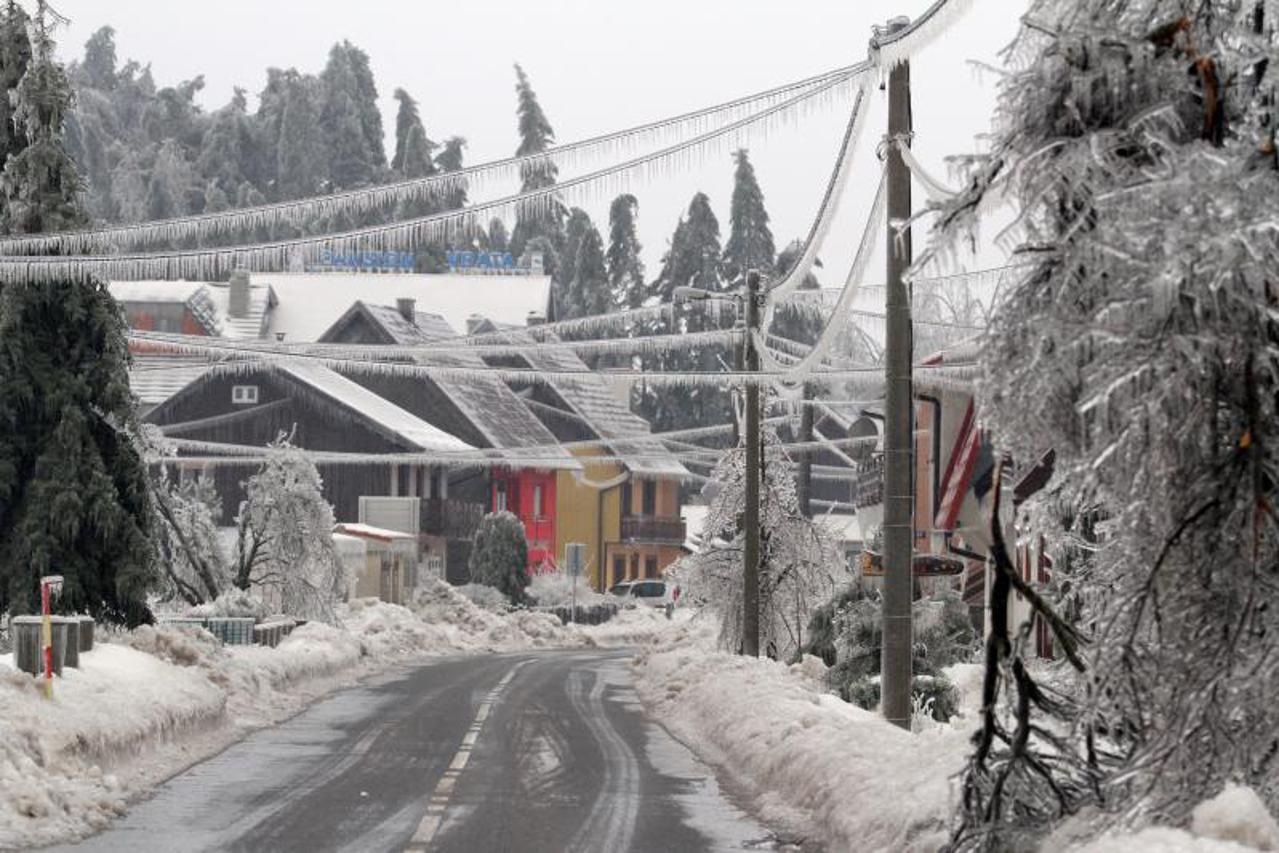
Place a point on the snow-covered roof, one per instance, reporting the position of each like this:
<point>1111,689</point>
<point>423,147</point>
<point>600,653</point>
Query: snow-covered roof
<point>154,291</point>
<point>592,399</point>
<point>311,302</point>
<point>426,328</point>
<point>201,296</point>
<point>379,410</point>
<point>155,378</point>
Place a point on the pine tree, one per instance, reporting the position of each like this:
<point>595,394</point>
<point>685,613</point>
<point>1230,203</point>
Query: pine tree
<point>1140,347</point>
<point>301,154</point>
<point>625,268</point>
<point>15,55</point>
<point>498,239</point>
<point>750,242</point>
<point>349,118</point>
<point>413,150</point>
<point>536,137</point>
<point>100,59</point>
<point>693,259</point>
<point>588,291</point>
<point>73,486</point>
<point>450,159</point>
<point>40,183</point>
<point>579,222</point>
<point>500,556</point>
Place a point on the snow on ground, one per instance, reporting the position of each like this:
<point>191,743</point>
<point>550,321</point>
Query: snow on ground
<point>834,772</point>
<point>152,701</point>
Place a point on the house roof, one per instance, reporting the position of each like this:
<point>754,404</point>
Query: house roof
<point>426,328</point>
<point>486,401</point>
<point>155,378</point>
<point>368,531</point>
<point>311,302</point>
<point>594,401</point>
<point>209,301</point>
<point>380,411</point>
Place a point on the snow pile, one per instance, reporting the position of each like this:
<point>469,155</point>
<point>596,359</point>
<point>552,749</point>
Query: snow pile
<point>121,699</point>
<point>233,602</point>
<point>1236,814</point>
<point>636,626</point>
<point>811,760</point>
<point>485,596</point>
<point>440,604</point>
<point>555,589</point>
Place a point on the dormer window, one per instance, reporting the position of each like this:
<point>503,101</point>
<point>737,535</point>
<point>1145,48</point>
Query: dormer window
<point>244,395</point>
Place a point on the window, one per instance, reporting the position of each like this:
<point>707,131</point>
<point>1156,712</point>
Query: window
<point>244,395</point>
<point>650,499</point>
<point>627,509</point>
<point>619,569</point>
<point>499,496</point>
<point>650,567</point>
<point>537,501</point>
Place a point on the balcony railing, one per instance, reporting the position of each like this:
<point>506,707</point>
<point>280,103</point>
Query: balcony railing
<point>451,519</point>
<point>637,528</point>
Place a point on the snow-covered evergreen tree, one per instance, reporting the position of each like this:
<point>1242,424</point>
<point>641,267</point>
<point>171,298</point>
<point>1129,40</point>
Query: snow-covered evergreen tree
<point>285,545</point>
<point>536,137</point>
<point>750,240</point>
<point>73,487</point>
<point>588,291</point>
<point>500,556</point>
<point>625,267</point>
<point>1142,347</point>
<point>800,567</point>
<point>15,55</point>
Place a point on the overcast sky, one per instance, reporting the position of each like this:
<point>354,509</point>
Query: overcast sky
<point>597,65</point>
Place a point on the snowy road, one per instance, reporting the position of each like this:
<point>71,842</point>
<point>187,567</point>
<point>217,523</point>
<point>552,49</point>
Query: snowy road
<point>544,751</point>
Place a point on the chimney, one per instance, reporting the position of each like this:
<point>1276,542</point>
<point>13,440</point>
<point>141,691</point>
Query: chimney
<point>407,307</point>
<point>238,299</point>
<point>535,318</point>
<point>473,322</point>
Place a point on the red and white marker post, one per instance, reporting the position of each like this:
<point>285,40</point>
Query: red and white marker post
<point>50,585</point>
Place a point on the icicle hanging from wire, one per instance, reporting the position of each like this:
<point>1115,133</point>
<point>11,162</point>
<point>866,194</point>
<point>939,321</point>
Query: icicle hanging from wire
<point>797,373</point>
<point>888,50</point>
<point>208,264</point>
<point>646,345</point>
<point>826,211</point>
<point>358,203</point>
<point>936,190</point>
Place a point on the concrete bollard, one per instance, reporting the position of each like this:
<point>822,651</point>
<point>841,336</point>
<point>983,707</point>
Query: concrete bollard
<point>70,626</point>
<point>27,646</point>
<point>86,633</point>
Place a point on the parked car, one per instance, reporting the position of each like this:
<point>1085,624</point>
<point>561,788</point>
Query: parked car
<point>622,589</point>
<point>650,593</point>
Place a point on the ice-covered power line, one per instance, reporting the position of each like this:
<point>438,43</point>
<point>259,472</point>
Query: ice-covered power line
<point>359,202</point>
<point>207,264</point>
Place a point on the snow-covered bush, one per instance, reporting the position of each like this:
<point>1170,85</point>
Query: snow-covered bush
<point>234,602</point>
<point>800,567</point>
<point>284,546</point>
<point>500,556</point>
<point>485,596</point>
<point>551,589</point>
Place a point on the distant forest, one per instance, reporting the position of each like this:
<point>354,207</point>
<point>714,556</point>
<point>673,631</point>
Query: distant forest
<point>151,152</point>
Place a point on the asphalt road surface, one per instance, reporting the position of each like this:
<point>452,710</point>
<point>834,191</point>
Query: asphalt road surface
<point>545,751</point>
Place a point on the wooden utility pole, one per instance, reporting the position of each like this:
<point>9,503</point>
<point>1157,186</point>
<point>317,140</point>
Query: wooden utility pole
<point>898,525</point>
<point>804,476</point>
<point>750,560</point>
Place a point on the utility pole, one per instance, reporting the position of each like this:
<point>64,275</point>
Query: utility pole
<point>898,526</point>
<point>804,476</point>
<point>750,565</point>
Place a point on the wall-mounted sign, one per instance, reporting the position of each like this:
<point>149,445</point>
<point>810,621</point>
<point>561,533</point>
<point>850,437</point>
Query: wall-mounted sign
<point>396,261</point>
<point>469,261</point>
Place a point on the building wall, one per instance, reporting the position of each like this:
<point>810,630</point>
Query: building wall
<point>579,511</point>
<point>638,561</point>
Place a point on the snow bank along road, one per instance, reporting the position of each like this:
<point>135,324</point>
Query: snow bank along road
<point>526,752</point>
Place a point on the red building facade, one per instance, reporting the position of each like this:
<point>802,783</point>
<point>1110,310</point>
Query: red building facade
<point>530,496</point>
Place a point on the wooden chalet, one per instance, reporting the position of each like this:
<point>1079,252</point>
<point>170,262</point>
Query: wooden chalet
<point>479,409</point>
<point>323,411</point>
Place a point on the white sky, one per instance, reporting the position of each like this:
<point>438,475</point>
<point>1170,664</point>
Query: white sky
<point>597,65</point>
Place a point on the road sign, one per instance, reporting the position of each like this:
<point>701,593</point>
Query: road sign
<point>575,558</point>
